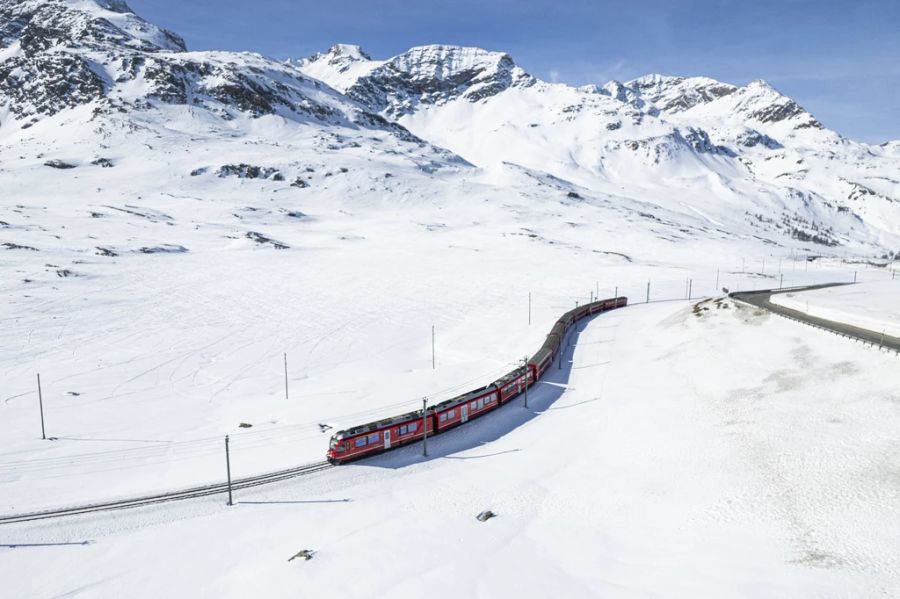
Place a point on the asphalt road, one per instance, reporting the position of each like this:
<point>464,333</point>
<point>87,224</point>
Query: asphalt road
<point>762,299</point>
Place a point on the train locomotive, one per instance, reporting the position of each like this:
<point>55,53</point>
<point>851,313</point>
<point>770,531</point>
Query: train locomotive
<point>389,433</point>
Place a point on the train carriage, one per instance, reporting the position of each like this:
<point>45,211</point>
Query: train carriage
<point>463,408</point>
<point>541,361</point>
<point>375,437</point>
<point>513,383</point>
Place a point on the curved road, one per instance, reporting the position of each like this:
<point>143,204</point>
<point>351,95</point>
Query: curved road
<point>762,299</point>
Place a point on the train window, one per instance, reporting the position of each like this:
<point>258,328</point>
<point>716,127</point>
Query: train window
<point>413,426</point>
<point>473,405</point>
<point>373,438</point>
<point>451,414</point>
<point>361,441</point>
<point>443,417</point>
<point>403,429</point>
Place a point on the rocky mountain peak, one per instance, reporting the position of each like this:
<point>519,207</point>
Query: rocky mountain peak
<point>348,52</point>
<point>434,74</point>
<point>339,67</point>
<point>758,101</point>
<point>677,94</point>
<point>440,62</point>
<point>114,5</point>
<point>42,24</point>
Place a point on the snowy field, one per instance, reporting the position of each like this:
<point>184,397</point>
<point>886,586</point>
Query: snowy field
<point>148,360</point>
<point>874,305</point>
<point>682,451</point>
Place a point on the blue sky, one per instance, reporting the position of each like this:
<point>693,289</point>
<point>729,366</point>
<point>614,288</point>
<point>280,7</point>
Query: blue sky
<point>839,59</point>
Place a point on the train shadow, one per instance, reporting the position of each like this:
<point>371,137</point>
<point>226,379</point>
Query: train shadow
<point>493,425</point>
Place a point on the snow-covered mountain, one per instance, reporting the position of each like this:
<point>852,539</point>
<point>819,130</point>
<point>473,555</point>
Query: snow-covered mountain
<point>88,84</point>
<point>726,150</point>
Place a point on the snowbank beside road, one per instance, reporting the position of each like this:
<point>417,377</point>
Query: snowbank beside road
<point>874,306</point>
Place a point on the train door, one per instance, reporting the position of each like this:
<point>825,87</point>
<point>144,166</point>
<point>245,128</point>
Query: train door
<point>464,412</point>
<point>387,439</point>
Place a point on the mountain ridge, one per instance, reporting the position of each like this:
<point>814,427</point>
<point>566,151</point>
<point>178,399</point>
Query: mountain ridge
<point>687,144</point>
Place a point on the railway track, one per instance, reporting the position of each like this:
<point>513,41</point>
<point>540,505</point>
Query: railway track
<point>189,493</point>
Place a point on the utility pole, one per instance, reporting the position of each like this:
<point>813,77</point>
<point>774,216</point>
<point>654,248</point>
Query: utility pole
<point>228,469</point>
<point>525,364</point>
<point>717,280</point>
<point>616,292</point>
<point>690,287</point>
<point>529,308</point>
<point>41,406</point>
<point>425,427</point>
<point>854,276</point>
<point>432,347</point>
<point>781,281</point>
<point>648,292</point>
<point>743,263</point>
<point>285,377</point>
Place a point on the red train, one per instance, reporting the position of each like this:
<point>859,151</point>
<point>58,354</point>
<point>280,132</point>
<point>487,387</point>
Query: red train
<point>389,433</point>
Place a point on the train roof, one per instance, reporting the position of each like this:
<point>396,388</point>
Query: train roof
<point>378,424</point>
<point>449,403</point>
<point>509,376</point>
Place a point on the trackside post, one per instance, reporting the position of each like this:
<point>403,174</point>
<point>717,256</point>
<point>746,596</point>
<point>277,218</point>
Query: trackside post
<point>525,364</point>
<point>228,469</point>
<point>41,407</point>
<point>425,427</point>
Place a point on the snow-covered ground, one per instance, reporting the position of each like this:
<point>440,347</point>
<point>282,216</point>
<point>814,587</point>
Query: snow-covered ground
<point>874,305</point>
<point>179,225</point>
<point>681,452</point>
<point>148,360</point>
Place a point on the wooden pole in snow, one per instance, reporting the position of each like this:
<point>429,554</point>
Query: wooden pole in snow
<point>228,469</point>
<point>41,407</point>
<point>285,377</point>
<point>425,427</point>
